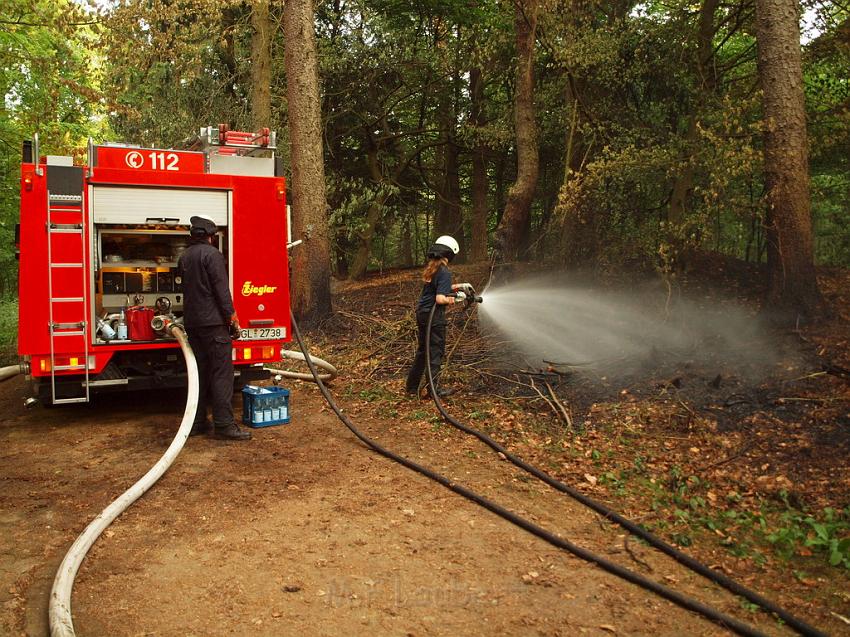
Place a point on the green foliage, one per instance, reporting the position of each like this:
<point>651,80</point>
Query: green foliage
<point>8,331</point>
<point>376,393</point>
<point>174,67</point>
<point>826,533</point>
<point>50,82</point>
<point>686,506</point>
<point>827,97</point>
<point>627,114</point>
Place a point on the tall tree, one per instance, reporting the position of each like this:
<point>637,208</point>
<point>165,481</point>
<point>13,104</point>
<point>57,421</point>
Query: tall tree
<point>705,81</point>
<point>311,292</point>
<point>792,283</point>
<point>478,239</point>
<point>261,64</point>
<point>514,223</point>
<point>449,218</point>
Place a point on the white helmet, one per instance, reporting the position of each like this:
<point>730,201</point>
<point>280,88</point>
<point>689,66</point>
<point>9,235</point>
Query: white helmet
<point>449,242</point>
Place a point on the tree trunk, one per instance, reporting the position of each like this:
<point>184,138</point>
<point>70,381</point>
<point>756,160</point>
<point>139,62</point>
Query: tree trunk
<point>499,190</point>
<point>520,196</point>
<point>227,55</point>
<point>792,283</point>
<point>480,187</point>
<point>311,291</point>
<point>449,216</point>
<point>406,247</point>
<point>703,68</point>
<point>360,263</point>
<point>261,65</point>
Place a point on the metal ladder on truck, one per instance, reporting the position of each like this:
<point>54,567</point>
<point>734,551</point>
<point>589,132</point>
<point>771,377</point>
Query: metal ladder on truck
<point>68,294</point>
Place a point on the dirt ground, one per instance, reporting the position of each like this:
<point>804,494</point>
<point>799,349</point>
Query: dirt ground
<point>305,531</point>
<point>300,531</point>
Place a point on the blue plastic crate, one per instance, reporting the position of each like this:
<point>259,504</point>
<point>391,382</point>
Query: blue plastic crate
<point>265,406</point>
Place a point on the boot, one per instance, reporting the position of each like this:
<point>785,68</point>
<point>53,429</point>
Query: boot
<point>231,432</point>
<point>199,428</point>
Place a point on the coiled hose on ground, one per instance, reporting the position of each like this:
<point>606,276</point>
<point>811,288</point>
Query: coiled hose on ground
<point>59,610</point>
<point>298,356</point>
<point>677,598</point>
<point>686,560</point>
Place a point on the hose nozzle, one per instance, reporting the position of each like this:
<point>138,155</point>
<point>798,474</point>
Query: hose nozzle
<point>465,292</point>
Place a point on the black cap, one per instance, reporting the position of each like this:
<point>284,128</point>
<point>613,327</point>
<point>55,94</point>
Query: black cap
<point>203,223</point>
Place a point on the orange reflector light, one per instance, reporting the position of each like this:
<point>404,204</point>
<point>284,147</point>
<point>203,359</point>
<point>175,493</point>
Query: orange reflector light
<point>44,365</point>
<point>268,352</point>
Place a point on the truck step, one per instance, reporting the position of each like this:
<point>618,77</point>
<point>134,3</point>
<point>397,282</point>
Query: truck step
<point>111,375</point>
<point>68,401</point>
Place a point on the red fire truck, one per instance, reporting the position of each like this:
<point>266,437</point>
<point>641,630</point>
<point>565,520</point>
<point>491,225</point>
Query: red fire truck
<point>99,245</point>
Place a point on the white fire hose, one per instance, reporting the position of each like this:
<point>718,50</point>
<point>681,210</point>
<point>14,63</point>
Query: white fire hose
<point>9,371</point>
<point>298,356</point>
<point>59,612</point>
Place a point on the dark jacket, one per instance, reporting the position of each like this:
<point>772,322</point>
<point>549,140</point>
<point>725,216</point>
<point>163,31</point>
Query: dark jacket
<point>440,283</point>
<point>206,294</point>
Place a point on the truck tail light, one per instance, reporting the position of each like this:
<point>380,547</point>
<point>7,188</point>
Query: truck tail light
<point>262,353</point>
<point>65,363</point>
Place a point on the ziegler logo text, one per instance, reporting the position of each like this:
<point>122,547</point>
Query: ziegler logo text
<point>248,289</point>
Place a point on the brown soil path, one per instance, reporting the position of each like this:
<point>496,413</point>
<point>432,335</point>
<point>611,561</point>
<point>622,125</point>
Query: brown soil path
<point>303,531</point>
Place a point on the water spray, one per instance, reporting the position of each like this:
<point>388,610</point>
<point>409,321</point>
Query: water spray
<point>801,626</point>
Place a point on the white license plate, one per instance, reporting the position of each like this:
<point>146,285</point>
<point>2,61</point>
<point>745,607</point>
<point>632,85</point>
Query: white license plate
<point>262,333</point>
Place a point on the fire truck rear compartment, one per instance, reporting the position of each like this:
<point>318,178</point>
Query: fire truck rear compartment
<point>139,234</point>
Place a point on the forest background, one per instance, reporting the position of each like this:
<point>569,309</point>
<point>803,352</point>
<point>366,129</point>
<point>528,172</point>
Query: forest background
<point>602,135</point>
<point>643,141</point>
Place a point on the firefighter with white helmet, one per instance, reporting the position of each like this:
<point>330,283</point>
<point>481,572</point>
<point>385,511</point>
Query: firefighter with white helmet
<point>437,289</point>
<point>211,324</point>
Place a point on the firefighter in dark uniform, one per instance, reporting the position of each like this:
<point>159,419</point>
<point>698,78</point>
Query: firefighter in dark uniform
<point>438,290</point>
<point>211,324</point>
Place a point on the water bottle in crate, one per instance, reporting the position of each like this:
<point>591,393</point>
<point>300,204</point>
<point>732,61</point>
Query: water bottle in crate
<point>265,406</point>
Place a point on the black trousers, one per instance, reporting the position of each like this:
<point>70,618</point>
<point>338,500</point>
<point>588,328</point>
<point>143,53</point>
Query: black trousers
<point>213,352</point>
<point>438,348</point>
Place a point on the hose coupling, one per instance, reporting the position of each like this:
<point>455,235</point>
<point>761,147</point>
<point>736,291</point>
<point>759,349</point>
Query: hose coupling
<point>162,324</point>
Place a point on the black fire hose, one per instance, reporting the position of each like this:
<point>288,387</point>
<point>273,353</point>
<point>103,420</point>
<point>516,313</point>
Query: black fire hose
<point>677,598</point>
<point>686,560</point>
